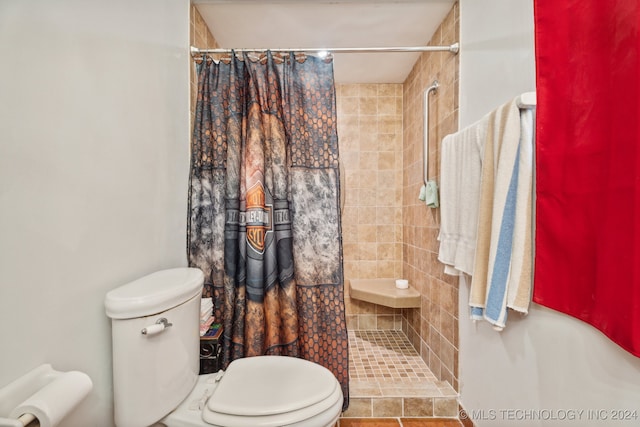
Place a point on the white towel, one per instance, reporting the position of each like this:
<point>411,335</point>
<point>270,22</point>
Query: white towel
<point>204,315</point>
<point>460,173</point>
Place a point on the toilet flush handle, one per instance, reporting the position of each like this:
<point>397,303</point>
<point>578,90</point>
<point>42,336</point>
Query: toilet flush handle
<point>160,325</point>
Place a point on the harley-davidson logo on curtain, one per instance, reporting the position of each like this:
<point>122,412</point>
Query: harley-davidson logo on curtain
<point>258,216</point>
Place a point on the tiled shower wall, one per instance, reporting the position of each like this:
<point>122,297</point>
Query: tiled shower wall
<point>433,329</point>
<point>201,37</point>
<point>370,141</point>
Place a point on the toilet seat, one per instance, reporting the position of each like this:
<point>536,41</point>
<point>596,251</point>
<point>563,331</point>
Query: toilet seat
<point>264,391</point>
<point>271,391</point>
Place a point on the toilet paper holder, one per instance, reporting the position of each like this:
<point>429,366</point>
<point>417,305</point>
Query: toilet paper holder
<point>44,395</point>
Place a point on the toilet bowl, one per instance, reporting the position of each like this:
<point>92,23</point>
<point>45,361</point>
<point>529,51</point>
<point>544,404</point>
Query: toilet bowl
<point>155,338</point>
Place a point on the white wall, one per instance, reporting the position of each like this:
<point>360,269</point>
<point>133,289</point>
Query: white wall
<point>94,141</point>
<point>546,360</point>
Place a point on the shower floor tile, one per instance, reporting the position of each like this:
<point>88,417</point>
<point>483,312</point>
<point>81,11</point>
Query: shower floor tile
<point>385,355</point>
<point>383,363</point>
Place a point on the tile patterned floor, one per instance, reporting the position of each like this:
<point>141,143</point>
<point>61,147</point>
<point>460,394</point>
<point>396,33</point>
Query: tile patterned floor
<point>389,379</point>
<point>385,355</point>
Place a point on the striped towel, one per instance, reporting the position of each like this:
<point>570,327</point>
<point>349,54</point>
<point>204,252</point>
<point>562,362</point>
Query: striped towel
<point>521,273</point>
<point>510,284</point>
<point>496,303</point>
<point>496,215</point>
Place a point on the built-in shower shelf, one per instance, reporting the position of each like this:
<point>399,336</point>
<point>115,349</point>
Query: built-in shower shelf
<point>383,292</point>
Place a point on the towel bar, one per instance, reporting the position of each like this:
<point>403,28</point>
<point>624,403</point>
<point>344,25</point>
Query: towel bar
<point>425,160</point>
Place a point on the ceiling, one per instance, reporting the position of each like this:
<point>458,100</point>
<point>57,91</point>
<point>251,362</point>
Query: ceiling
<point>331,23</point>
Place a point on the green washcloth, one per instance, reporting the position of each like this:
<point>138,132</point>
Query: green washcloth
<point>423,194</point>
<point>432,194</point>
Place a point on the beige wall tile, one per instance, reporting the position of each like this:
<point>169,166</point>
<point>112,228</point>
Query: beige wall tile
<point>386,251</point>
<point>369,252</point>
<point>348,90</point>
<point>418,407</point>
<point>363,307</point>
<point>373,166</point>
<point>386,269</point>
<point>358,407</point>
<point>389,90</point>
<point>388,106</point>
<point>368,89</point>
<point>352,322</point>
<point>368,105</point>
<point>385,322</point>
<point>367,321</point>
<point>445,407</point>
<point>387,407</point>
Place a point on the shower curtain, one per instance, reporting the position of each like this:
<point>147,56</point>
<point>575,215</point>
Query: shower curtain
<point>588,164</point>
<point>264,221</point>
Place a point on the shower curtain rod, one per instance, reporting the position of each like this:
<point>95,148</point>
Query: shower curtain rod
<point>454,48</point>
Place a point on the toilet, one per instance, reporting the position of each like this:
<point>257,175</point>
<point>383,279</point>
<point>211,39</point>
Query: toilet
<point>155,333</point>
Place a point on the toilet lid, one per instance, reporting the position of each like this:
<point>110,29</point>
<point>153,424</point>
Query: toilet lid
<point>271,385</point>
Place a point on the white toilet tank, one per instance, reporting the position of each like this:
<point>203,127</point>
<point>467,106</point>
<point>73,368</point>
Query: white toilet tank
<point>155,362</point>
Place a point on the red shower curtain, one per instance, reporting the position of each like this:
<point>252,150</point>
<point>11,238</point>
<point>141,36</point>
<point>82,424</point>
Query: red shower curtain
<point>588,163</point>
